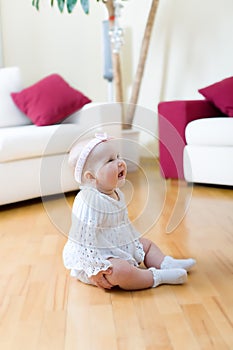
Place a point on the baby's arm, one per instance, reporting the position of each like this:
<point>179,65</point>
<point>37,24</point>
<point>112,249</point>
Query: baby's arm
<point>100,281</point>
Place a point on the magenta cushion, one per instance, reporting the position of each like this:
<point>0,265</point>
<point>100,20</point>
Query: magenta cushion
<point>49,101</point>
<point>221,95</point>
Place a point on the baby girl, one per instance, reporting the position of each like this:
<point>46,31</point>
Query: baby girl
<point>103,247</point>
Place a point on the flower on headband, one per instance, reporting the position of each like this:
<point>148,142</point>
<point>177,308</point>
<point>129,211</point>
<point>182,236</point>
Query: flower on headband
<point>99,137</point>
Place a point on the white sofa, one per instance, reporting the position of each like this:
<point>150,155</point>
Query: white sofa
<point>208,155</point>
<point>33,159</point>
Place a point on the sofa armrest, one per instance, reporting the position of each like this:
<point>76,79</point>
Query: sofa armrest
<point>173,116</point>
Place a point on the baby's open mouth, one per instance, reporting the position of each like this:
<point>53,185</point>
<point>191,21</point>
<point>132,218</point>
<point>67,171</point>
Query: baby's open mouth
<point>121,174</point>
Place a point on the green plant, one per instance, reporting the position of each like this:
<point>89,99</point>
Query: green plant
<point>70,4</point>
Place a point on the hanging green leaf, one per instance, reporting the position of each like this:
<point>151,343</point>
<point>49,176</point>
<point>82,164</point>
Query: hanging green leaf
<point>61,4</point>
<point>85,6</point>
<point>36,3</point>
<point>70,5</point>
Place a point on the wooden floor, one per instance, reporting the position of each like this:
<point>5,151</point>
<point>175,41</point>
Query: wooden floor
<point>43,308</point>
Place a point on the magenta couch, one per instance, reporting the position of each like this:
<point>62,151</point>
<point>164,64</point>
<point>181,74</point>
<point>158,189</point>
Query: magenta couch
<point>173,117</point>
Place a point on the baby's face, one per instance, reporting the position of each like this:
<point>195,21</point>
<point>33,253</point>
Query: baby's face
<point>109,169</point>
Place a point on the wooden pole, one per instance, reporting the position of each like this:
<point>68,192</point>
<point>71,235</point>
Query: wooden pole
<point>141,64</point>
<point>116,62</point>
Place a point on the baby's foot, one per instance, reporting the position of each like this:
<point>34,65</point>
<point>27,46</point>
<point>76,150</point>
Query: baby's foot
<point>171,276</point>
<point>172,263</point>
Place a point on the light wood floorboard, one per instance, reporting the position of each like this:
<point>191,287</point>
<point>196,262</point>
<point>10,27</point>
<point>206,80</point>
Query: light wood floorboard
<point>43,308</point>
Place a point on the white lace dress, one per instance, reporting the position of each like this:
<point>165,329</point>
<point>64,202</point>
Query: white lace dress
<point>100,230</point>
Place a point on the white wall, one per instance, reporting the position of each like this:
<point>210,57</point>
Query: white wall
<point>47,41</point>
<point>194,46</point>
<point>191,46</point>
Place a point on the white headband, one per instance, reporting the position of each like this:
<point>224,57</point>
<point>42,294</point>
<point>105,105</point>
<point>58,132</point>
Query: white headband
<point>85,153</point>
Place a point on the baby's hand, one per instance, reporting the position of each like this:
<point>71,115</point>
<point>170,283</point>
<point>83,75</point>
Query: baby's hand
<point>100,281</point>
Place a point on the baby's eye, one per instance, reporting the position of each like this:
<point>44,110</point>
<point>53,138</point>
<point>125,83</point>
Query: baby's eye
<point>117,156</point>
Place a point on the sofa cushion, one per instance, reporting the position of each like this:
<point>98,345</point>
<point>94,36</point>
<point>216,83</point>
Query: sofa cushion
<point>210,132</point>
<point>10,81</point>
<point>50,100</point>
<point>221,95</point>
<point>31,141</point>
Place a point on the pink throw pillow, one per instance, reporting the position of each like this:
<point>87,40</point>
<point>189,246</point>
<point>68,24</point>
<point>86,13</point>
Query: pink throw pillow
<point>221,95</point>
<point>49,101</point>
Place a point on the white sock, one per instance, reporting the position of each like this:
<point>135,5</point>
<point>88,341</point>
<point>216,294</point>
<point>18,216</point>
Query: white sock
<point>171,276</point>
<point>172,263</point>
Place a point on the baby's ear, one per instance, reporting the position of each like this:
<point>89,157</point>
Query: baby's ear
<point>88,176</point>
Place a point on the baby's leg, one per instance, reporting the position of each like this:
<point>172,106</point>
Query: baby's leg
<point>130,277</point>
<point>154,257</point>
<point>153,254</point>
